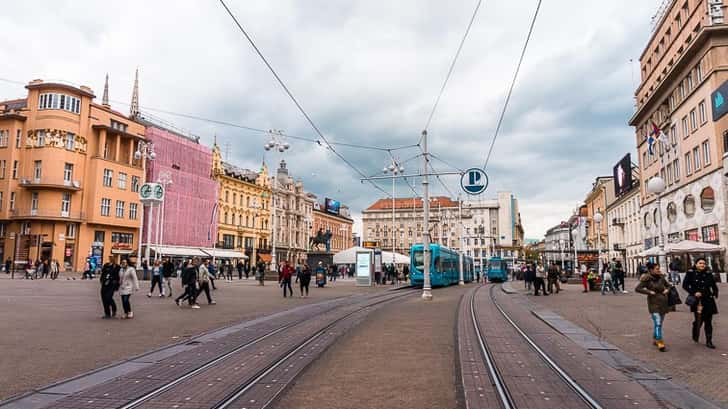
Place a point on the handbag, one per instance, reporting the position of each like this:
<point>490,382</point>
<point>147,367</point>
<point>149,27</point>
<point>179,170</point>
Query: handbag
<point>691,300</point>
<point>673,297</point>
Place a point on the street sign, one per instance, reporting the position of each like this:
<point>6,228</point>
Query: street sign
<point>474,181</point>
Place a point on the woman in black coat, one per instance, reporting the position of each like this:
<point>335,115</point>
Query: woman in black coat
<point>699,282</point>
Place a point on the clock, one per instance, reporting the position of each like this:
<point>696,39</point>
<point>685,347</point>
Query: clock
<point>158,192</point>
<point>146,191</point>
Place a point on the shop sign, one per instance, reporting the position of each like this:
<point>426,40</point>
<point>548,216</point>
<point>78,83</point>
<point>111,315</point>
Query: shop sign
<point>692,235</point>
<point>121,246</point>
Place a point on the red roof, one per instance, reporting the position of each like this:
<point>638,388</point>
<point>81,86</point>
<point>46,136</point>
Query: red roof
<point>410,202</point>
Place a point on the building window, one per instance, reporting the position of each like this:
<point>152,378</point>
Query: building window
<point>701,111</point>
<point>699,72</point>
<point>688,169</point>
<point>124,238</point>
<point>119,208</point>
<point>34,203</point>
<point>40,142</point>
<point>133,211</point>
<point>65,204</point>
<point>108,177</point>
<point>676,169</point>
<point>70,141</point>
<point>685,129</point>
<point>644,160</point>
<point>710,234</point>
<point>673,135</point>
<point>3,168</point>
<point>689,206</point>
<point>668,173</point>
<point>15,169</point>
<point>25,228</point>
<point>227,196</point>
<point>122,181</point>
<point>118,126</point>
<point>682,90</point>
<point>71,231</point>
<point>706,153</point>
<point>135,184</point>
<point>1,200</point>
<point>707,199</point>
<point>696,159</point>
<point>693,121</point>
<point>99,236</point>
<point>60,101</point>
<point>67,173</point>
<point>690,81</point>
<point>12,200</point>
<point>105,207</point>
<point>18,138</point>
<point>4,138</point>
<point>37,170</point>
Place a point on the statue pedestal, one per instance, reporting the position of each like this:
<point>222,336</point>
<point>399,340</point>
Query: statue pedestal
<point>313,258</point>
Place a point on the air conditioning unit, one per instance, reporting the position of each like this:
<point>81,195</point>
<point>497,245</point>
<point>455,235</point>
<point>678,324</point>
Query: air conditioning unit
<point>76,184</point>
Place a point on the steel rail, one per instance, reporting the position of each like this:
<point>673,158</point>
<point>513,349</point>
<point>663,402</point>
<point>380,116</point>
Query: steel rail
<point>583,394</point>
<point>156,392</point>
<point>242,389</point>
<point>495,375</point>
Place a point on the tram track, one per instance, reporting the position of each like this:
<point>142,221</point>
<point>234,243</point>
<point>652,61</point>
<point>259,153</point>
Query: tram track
<point>506,387</point>
<point>334,317</point>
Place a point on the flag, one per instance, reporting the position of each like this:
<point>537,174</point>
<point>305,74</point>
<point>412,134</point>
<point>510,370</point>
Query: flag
<point>661,137</point>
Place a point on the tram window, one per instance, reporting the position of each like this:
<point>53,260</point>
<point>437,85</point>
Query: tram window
<point>438,264</point>
<point>419,259</point>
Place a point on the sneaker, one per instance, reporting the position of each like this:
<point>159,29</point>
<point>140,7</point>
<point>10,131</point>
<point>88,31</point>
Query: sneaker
<point>625,292</point>
<point>161,295</point>
<point>196,307</point>
<point>177,302</point>
<point>212,302</point>
<point>661,345</point>
<point>149,295</point>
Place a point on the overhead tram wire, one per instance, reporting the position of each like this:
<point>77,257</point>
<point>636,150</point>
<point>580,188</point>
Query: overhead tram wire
<point>295,101</point>
<point>433,156</point>
<point>452,67</point>
<point>513,84</point>
<point>412,188</point>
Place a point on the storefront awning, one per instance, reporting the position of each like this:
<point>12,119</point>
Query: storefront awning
<point>220,253</point>
<point>179,251</point>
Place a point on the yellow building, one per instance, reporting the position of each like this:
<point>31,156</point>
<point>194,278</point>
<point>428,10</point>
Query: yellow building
<point>68,177</point>
<point>243,208</point>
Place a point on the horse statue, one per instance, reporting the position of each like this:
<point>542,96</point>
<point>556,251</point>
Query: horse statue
<point>319,239</point>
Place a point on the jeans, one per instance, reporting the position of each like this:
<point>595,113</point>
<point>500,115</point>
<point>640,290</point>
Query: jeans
<point>304,285</point>
<point>608,283</point>
<point>157,282</point>
<point>125,303</point>
<point>107,299</point>
<point>286,284</point>
<point>168,282</point>
<point>675,277</point>
<point>204,286</point>
<point>657,320</point>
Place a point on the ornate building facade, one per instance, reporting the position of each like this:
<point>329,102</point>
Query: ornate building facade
<point>243,208</point>
<point>293,216</point>
<point>338,222</point>
<point>68,177</point>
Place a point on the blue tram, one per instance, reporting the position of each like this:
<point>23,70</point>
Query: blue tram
<point>444,266</point>
<point>497,270</point>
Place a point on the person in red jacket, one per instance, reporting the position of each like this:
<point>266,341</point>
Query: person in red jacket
<point>284,279</point>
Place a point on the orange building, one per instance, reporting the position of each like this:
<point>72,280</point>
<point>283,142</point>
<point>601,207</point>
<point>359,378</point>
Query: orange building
<point>68,178</point>
<point>336,220</point>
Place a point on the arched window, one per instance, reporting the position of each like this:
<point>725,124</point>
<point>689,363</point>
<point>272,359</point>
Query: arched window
<point>226,217</point>
<point>707,199</point>
<point>689,206</point>
<point>648,221</point>
<point>671,212</point>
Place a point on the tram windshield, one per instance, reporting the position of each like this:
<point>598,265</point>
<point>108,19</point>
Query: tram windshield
<point>495,265</point>
<point>419,257</point>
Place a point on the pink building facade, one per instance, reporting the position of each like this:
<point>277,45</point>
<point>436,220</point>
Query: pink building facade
<point>190,198</point>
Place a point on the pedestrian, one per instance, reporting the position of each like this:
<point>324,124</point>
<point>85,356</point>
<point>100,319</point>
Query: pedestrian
<point>246,269</point>
<point>240,270</point>
<point>110,281</point>
<point>213,270</point>
<point>333,273</point>
<point>303,277</point>
<point>189,281</point>
<point>260,272</point>
<point>675,271</point>
<point>229,271</point>
<point>284,278</point>
<point>320,275</point>
<point>654,284</point>
<point>8,264</point>
<point>618,276</point>
<point>129,284</point>
<point>530,276</point>
<point>55,269</point>
<point>156,279</point>
<point>584,278</point>
<point>204,280</point>
<point>167,271</point>
<point>553,279</point>
<point>45,268</point>
<point>700,283</point>
<point>539,281</point>
<point>145,270</point>
<point>607,281</point>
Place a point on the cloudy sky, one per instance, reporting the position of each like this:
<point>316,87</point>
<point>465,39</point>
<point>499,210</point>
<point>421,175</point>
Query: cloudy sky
<point>367,72</point>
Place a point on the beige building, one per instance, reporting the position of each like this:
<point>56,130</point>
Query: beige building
<point>69,181</point>
<point>624,227</point>
<point>337,221</point>
<point>243,208</point>
<point>293,216</point>
<point>683,92</point>
<point>597,201</point>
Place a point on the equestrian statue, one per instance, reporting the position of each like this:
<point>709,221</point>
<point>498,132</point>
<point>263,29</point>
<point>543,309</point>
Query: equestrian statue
<point>319,239</point>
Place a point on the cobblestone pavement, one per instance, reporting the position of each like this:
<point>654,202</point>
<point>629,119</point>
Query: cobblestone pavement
<point>400,357</point>
<point>52,330</point>
<point>623,320</point>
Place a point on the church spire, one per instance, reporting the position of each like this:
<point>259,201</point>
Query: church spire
<point>105,98</point>
<point>134,110</point>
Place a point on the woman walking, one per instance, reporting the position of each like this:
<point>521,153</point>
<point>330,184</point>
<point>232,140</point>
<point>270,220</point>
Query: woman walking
<point>157,279</point>
<point>129,284</point>
<point>55,269</point>
<point>284,278</point>
<point>304,278</point>
<point>654,284</point>
<point>700,283</point>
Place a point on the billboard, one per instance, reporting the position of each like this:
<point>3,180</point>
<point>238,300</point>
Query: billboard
<point>623,175</point>
<point>332,206</point>
<point>719,103</point>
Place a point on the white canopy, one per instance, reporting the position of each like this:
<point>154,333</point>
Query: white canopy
<point>348,256</point>
<point>684,246</point>
<point>220,253</point>
<point>179,251</point>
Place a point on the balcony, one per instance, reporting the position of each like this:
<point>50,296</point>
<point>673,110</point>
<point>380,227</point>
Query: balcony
<point>45,214</point>
<point>618,221</point>
<point>50,182</point>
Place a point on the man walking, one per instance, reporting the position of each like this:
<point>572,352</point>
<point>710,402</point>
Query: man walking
<point>553,279</point>
<point>167,271</point>
<point>110,281</point>
<point>189,280</point>
<point>539,283</point>
<point>204,279</point>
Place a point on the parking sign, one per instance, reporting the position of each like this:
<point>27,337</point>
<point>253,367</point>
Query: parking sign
<point>474,181</point>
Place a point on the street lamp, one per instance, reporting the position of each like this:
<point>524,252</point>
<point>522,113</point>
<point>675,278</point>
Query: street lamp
<point>598,220</point>
<point>394,168</point>
<point>561,248</point>
<point>144,152</point>
<point>277,142</point>
<point>164,179</point>
<point>656,185</point>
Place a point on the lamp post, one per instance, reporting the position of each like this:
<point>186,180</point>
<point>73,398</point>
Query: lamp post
<point>144,152</point>
<point>276,143</point>
<point>394,168</point>
<point>656,185</point>
<point>165,179</point>
<point>461,280</point>
<point>561,247</point>
<point>256,207</point>
<point>598,220</point>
